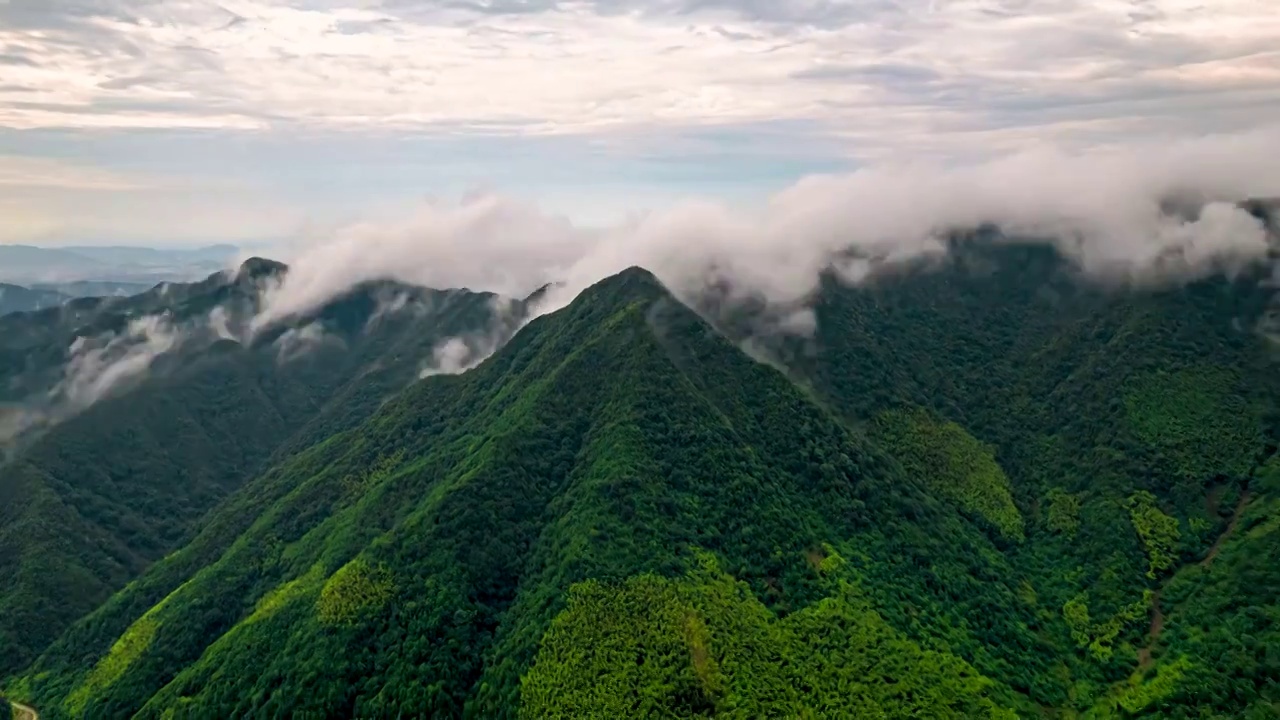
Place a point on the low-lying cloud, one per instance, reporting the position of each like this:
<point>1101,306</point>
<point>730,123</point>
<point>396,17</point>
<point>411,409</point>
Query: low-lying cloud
<point>96,366</point>
<point>453,356</point>
<point>109,363</point>
<point>1143,213</point>
<point>1118,211</point>
<point>460,353</point>
<point>296,342</point>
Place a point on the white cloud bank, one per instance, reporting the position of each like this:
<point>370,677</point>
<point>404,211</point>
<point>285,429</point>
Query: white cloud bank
<point>1105,208</point>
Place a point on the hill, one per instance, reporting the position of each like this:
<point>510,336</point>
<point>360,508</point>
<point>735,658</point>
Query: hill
<point>15,298</point>
<point>985,487</point>
<point>25,263</point>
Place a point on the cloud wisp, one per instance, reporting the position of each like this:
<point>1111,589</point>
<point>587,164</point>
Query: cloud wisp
<point>111,363</point>
<point>460,353</point>
<point>97,366</point>
<point>296,342</point>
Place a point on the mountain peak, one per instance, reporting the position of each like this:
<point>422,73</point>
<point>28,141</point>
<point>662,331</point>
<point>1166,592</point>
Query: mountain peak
<point>633,283</point>
<point>260,267</point>
<point>635,273</point>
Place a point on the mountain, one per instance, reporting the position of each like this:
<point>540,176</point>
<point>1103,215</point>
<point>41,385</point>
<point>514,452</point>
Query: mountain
<point>15,298</point>
<point>986,486</point>
<point>500,490</point>
<point>220,255</point>
<point>29,265</point>
<point>25,263</point>
<point>94,288</point>
<point>117,451</point>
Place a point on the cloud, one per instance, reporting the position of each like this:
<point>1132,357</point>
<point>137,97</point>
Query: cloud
<point>99,365</point>
<point>901,74</point>
<point>389,303</point>
<point>456,355</point>
<point>256,107</point>
<point>15,421</point>
<point>220,323</point>
<point>451,357</point>
<point>111,363</point>
<point>1152,211</point>
<point>296,342</point>
<point>479,244</point>
<point>1107,209</point>
<point>33,172</point>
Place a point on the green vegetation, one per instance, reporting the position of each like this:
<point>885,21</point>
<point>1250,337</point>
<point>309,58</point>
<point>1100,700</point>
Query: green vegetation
<point>954,463</point>
<point>1139,694</point>
<point>1064,512</point>
<point>1099,637</point>
<point>704,646</point>
<point>1198,418</point>
<point>353,593</point>
<point>1158,531</point>
<point>963,498</point>
<point>131,645</point>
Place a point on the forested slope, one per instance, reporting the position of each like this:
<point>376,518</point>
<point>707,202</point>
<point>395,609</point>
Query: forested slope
<point>1129,420</point>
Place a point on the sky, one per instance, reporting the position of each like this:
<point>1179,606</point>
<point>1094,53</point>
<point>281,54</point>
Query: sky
<point>180,122</point>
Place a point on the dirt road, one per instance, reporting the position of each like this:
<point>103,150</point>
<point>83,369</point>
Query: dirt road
<point>22,712</point>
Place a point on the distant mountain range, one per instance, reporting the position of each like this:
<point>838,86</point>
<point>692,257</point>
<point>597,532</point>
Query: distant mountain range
<point>49,267</point>
<point>96,288</point>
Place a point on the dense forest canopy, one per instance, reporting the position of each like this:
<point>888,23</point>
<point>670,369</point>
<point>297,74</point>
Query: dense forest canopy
<point>983,487</point>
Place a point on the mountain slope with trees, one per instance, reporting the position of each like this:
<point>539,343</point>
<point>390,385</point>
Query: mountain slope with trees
<point>987,487</point>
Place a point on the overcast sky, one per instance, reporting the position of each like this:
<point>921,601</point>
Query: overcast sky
<point>188,121</point>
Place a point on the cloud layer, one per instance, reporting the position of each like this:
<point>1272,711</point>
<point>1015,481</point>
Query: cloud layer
<point>909,73</point>
<point>1112,209</point>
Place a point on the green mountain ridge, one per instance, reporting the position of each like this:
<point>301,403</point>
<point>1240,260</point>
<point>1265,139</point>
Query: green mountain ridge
<point>988,488</point>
